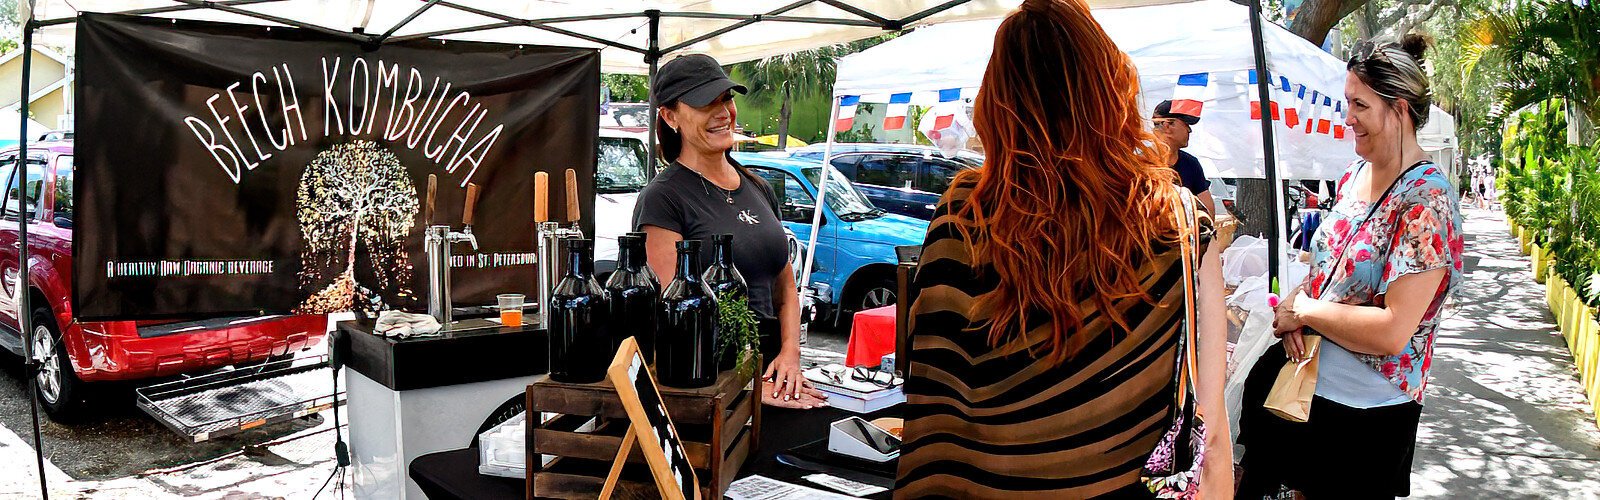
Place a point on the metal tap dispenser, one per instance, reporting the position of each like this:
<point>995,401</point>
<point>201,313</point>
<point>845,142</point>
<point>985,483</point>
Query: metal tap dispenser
<point>437,244</point>
<point>553,236</point>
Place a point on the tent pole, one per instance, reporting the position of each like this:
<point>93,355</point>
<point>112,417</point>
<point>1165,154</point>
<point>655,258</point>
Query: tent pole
<point>1269,148</point>
<point>774,12</point>
<point>407,20</point>
<point>822,193</point>
<point>652,56</point>
<point>224,7</point>
<point>776,19</point>
<point>24,316</point>
<point>155,10</point>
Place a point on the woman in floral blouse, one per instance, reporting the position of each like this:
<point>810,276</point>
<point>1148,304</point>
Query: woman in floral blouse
<point>1385,260</point>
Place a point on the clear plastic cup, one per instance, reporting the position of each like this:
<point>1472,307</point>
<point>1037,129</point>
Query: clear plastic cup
<point>511,308</point>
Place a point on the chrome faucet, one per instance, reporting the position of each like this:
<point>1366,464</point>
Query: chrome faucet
<point>437,242</point>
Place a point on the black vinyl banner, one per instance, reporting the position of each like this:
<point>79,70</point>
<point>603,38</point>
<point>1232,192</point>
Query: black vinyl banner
<point>232,169</point>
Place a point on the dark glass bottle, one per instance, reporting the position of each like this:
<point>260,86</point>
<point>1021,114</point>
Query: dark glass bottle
<point>725,283</point>
<point>635,295</point>
<point>686,326</point>
<point>645,258</point>
<point>580,349</point>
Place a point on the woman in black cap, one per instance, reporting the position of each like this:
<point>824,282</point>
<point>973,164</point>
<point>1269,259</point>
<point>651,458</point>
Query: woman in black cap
<point>704,192</point>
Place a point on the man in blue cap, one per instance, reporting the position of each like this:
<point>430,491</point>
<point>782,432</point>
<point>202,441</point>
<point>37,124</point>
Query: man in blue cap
<point>1174,128</point>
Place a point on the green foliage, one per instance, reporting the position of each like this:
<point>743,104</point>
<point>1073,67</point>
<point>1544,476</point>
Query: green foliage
<point>861,133</point>
<point>626,88</point>
<point>1538,187</point>
<point>1539,50</point>
<point>802,79</point>
<point>737,322</point>
<point>1553,189</point>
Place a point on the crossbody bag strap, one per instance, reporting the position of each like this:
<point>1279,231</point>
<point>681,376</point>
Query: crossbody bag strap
<point>1189,244</point>
<point>1372,210</point>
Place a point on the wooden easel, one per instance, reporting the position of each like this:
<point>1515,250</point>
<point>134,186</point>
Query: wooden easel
<point>669,465</point>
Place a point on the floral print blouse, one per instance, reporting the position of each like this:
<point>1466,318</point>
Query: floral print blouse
<point>1416,229</point>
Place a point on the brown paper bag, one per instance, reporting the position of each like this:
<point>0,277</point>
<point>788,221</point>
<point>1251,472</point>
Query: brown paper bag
<point>1291,393</point>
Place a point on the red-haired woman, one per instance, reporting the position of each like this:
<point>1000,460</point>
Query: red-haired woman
<point>1046,331</point>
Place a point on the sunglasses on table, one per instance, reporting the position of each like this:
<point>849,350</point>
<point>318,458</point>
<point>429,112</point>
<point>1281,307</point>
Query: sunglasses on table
<point>836,374</point>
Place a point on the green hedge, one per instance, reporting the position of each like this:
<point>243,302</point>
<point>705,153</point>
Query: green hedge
<point>1552,190</point>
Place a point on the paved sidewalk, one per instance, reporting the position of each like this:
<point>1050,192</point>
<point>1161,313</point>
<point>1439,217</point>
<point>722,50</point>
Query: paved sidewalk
<point>1505,416</point>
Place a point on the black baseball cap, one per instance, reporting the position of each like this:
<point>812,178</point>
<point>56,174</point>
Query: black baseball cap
<point>1164,110</point>
<point>695,79</point>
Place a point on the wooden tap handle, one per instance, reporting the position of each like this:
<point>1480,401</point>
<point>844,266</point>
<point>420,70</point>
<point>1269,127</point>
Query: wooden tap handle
<point>433,188</point>
<point>472,201</point>
<point>572,196</point>
<point>541,197</point>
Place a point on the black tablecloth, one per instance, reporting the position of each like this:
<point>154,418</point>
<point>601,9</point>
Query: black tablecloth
<point>454,474</point>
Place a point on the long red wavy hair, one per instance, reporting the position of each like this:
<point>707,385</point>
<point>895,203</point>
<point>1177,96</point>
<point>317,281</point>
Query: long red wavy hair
<point>1074,190</point>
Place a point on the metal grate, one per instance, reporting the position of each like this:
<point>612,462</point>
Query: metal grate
<point>237,400</point>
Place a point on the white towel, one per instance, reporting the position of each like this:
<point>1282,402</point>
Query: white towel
<point>400,324</point>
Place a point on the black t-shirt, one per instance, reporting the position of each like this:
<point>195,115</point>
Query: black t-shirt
<point>1189,171</point>
<point>679,200</point>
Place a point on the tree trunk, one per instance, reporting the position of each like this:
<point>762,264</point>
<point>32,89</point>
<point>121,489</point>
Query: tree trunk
<point>783,121</point>
<point>1369,21</point>
<point>1253,202</point>
<point>1315,17</point>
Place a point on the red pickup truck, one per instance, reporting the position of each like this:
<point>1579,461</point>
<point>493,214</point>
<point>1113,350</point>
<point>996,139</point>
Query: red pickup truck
<point>72,353</point>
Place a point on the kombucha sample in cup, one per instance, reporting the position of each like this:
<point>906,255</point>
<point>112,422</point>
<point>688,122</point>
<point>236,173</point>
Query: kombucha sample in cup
<point>511,308</point>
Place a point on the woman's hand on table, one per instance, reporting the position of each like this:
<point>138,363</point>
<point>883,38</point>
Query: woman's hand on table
<point>809,398</point>
<point>784,385</point>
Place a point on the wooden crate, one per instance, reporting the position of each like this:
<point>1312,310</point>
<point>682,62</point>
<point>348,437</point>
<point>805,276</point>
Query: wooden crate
<point>719,426</point>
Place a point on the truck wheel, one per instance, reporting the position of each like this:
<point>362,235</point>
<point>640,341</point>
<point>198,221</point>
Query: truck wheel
<point>874,294</point>
<point>57,385</point>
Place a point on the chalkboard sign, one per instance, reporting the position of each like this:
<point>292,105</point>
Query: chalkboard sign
<point>657,438</point>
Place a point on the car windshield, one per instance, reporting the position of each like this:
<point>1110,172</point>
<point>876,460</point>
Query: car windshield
<point>842,196</point>
<point>621,166</point>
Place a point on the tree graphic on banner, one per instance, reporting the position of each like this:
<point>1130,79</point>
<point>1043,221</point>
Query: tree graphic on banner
<point>355,195</point>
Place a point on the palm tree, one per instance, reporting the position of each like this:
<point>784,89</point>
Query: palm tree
<point>806,72</point>
<point>1544,49</point>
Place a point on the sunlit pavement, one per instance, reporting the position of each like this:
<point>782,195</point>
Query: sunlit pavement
<point>1504,414</point>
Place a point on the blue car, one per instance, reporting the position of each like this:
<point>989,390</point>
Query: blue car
<point>855,258</point>
<point>903,179</point>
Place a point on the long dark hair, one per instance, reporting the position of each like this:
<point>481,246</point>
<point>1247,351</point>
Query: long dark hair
<point>669,143</point>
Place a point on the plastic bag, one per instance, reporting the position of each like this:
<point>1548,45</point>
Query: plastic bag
<point>948,126</point>
<point>1294,275</point>
<point>1245,258</point>
<point>1254,339</point>
<point>1250,293</point>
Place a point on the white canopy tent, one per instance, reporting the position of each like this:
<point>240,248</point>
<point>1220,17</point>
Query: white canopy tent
<point>10,128</point>
<point>619,27</point>
<point>1438,138</point>
<point>1208,37</point>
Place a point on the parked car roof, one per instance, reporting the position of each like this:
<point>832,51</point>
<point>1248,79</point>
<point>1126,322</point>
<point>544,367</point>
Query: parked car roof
<point>61,147</point>
<point>815,151</point>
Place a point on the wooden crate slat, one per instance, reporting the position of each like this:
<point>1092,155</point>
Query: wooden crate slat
<point>717,425</point>
<point>736,424</point>
<point>604,447</point>
<point>735,461</point>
